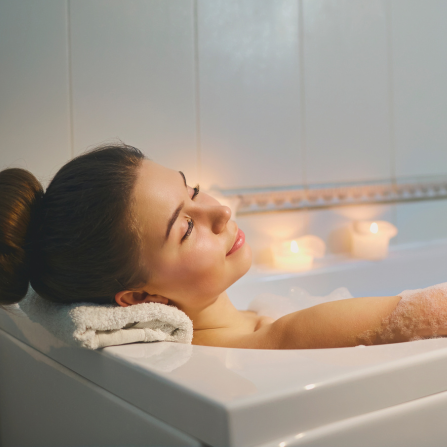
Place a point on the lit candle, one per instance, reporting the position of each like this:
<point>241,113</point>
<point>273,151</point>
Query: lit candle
<point>370,240</point>
<point>288,256</point>
<point>298,254</point>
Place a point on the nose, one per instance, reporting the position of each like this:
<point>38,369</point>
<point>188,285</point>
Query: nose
<point>219,215</point>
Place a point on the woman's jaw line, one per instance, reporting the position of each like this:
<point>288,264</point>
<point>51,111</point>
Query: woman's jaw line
<point>217,312</point>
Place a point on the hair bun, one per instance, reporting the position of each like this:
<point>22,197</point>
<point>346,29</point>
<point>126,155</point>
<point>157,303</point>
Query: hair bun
<point>20,197</point>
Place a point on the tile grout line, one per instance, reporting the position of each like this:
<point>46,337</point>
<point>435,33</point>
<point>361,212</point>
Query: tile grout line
<point>391,110</point>
<point>197,90</point>
<point>70,81</point>
<point>302,139</point>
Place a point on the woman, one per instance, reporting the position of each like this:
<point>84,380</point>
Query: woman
<point>114,226</point>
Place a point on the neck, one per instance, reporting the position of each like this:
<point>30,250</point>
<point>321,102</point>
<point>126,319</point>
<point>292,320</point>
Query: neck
<point>220,314</point>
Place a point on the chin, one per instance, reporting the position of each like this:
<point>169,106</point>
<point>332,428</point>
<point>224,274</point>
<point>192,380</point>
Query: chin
<point>246,259</point>
<point>241,265</point>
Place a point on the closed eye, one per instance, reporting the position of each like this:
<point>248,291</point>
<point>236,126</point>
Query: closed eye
<point>196,191</point>
<point>190,221</point>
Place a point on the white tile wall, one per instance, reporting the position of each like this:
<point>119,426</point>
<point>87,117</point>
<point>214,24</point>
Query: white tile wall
<point>249,92</point>
<point>133,77</point>
<point>239,93</point>
<point>346,90</point>
<point>419,36</point>
<point>34,121</point>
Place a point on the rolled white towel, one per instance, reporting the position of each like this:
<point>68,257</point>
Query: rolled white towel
<point>96,326</point>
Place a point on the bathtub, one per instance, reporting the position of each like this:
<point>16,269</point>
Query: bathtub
<point>166,394</point>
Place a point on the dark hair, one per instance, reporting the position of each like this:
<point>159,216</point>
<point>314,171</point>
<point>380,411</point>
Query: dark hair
<point>79,241</point>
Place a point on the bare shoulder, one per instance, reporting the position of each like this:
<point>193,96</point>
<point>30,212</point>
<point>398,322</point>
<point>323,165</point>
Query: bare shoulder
<point>261,334</point>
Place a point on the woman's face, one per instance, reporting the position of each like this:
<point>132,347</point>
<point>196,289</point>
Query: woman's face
<point>186,239</point>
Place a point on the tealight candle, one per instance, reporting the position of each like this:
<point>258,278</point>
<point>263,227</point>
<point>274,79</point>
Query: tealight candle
<point>370,240</point>
<point>298,254</point>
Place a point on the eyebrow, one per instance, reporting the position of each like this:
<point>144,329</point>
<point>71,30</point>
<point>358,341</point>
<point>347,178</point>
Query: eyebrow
<point>184,178</point>
<point>176,212</point>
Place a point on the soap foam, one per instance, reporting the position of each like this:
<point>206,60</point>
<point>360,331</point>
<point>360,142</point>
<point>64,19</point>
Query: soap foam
<point>421,313</point>
<point>276,306</point>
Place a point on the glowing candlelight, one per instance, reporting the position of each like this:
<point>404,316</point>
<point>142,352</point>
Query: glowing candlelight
<point>298,255</point>
<point>370,240</point>
<point>374,228</point>
<point>294,247</point>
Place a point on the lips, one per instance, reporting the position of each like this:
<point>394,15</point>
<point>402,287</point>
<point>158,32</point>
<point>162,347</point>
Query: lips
<point>240,239</point>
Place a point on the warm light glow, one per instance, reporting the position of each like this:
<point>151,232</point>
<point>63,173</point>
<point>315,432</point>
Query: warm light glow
<point>374,228</point>
<point>294,247</point>
<point>371,239</point>
<point>292,255</point>
<point>283,444</point>
<point>310,387</point>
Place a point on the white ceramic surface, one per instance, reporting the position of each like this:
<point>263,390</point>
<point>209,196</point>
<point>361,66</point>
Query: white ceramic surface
<point>420,96</point>
<point>413,424</point>
<point>133,77</point>
<point>407,267</point>
<point>427,220</point>
<point>240,397</point>
<point>34,94</point>
<point>346,90</point>
<point>314,91</point>
<point>43,403</point>
<point>248,56</point>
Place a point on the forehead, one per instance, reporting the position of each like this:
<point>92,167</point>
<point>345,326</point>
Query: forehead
<point>158,192</point>
<point>153,178</point>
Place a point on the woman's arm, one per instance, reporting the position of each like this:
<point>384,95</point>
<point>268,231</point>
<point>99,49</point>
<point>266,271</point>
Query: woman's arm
<point>334,324</point>
<point>337,324</point>
<point>413,315</point>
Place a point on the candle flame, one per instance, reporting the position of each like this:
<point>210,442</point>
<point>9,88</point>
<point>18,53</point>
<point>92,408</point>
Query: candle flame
<point>374,228</point>
<point>294,247</point>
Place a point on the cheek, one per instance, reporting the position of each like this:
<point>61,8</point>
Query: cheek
<point>203,260</point>
<point>199,266</point>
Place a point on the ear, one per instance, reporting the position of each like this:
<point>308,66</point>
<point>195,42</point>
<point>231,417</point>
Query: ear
<point>128,298</point>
